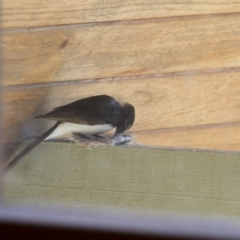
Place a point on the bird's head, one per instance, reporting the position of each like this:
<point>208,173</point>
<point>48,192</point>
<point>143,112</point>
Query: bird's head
<point>127,118</point>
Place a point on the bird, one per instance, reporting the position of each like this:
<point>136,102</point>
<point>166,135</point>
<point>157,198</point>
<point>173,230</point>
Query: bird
<point>91,116</point>
<point>88,116</point>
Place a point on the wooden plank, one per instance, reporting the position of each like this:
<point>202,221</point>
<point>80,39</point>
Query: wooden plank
<point>120,49</point>
<point>34,13</point>
<point>224,137</point>
<point>141,179</point>
<point>176,101</point>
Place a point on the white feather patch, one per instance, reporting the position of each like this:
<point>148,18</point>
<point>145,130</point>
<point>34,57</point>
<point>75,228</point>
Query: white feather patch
<point>67,128</point>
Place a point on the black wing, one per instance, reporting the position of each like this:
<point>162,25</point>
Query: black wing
<point>92,111</point>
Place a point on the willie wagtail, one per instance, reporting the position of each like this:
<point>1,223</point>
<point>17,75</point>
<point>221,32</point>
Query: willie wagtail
<point>87,116</point>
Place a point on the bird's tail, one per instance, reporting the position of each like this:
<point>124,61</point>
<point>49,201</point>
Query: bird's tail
<point>31,146</point>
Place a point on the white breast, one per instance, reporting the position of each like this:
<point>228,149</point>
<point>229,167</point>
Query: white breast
<point>67,128</point>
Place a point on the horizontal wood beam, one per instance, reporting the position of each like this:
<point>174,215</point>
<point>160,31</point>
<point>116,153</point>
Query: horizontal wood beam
<point>122,49</point>
<point>141,179</point>
<point>17,14</point>
<point>160,103</point>
<point>221,137</point>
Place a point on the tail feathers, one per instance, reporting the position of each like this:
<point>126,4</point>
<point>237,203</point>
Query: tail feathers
<point>31,146</point>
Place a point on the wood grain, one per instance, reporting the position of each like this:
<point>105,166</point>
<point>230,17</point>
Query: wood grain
<point>177,101</point>
<point>141,179</point>
<point>223,137</point>
<point>122,49</point>
<point>24,13</point>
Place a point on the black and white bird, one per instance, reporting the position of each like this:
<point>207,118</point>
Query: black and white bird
<point>89,116</point>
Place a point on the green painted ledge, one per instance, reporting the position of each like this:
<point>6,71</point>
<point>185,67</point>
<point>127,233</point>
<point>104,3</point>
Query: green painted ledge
<point>136,178</point>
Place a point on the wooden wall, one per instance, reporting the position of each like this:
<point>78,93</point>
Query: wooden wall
<point>177,62</point>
